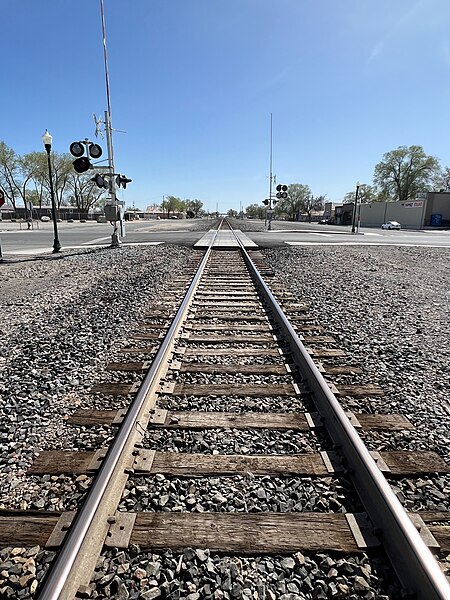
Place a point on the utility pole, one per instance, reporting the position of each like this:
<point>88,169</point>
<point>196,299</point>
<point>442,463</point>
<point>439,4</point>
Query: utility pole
<point>269,227</point>
<point>115,241</point>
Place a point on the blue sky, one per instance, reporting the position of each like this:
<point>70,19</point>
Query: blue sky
<point>193,83</point>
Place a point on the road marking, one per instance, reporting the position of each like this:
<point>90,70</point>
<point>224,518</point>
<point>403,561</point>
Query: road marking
<point>96,241</point>
<point>36,251</point>
<point>153,230</point>
<point>363,243</point>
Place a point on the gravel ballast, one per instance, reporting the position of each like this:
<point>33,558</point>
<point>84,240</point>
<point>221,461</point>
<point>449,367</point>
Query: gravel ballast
<point>387,307</point>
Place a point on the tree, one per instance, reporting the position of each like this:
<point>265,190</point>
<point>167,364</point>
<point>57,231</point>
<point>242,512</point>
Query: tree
<point>404,172</point>
<point>297,200</point>
<point>62,168</point>
<point>9,174</point>
<point>312,203</point>
<point>255,211</point>
<point>193,208</point>
<point>366,194</point>
<point>173,204</point>
<point>39,177</point>
<point>85,193</point>
<point>442,180</point>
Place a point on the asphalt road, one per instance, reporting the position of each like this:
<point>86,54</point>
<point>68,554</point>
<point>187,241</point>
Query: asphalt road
<point>16,240</point>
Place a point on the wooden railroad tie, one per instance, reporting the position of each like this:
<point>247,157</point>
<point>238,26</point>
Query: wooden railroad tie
<point>266,338</point>
<point>237,533</point>
<point>231,389</point>
<point>189,352</point>
<point>395,464</point>
<point>243,420</point>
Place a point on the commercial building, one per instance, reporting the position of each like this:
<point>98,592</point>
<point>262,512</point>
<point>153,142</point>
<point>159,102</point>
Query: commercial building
<point>428,209</point>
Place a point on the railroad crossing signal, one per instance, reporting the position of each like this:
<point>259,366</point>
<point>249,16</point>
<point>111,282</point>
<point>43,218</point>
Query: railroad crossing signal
<point>282,191</point>
<point>121,180</point>
<point>82,163</point>
<point>266,201</point>
<point>100,181</point>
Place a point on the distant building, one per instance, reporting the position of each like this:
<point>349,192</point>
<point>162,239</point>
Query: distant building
<point>427,209</point>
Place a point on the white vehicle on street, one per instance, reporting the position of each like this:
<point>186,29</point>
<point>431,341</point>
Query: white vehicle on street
<point>45,219</point>
<point>391,225</point>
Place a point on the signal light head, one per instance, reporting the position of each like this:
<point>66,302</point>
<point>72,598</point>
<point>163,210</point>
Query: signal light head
<point>121,180</point>
<point>82,164</point>
<point>76,149</point>
<point>95,151</point>
<point>266,201</point>
<point>100,181</point>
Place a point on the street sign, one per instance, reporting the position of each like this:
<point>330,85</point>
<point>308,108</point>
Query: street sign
<point>2,198</point>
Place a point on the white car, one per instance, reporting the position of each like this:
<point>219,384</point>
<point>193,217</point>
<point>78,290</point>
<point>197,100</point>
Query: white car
<point>45,219</point>
<point>391,225</point>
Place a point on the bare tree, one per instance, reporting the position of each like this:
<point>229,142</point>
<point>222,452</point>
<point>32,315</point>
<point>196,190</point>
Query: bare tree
<point>9,174</point>
<point>85,194</point>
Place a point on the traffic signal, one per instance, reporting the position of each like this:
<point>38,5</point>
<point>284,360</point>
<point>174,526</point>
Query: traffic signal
<point>121,180</point>
<point>100,181</point>
<point>282,191</point>
<point>266,201</point>
<point>82,164</point>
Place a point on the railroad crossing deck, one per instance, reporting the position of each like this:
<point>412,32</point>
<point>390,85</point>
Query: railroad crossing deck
<point>225,239</point>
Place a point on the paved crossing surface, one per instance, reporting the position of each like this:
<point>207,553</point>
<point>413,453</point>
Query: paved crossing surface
<point>224,239</point>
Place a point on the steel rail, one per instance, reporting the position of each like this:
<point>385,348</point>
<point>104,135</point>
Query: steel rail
<point>61,570</point>
<point>412,560</point>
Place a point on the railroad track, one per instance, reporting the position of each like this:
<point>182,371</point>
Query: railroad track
<point>222,366</point>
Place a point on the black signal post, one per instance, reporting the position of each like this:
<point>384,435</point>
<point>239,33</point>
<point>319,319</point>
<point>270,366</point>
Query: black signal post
<point>47,141</point>
<point>358,185</point>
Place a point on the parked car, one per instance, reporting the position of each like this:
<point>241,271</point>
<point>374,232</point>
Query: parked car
<point>391,225</point>
<point>45,219</point>
<point>324,222</point>
<point>101,219</point>
<point>173,217</point>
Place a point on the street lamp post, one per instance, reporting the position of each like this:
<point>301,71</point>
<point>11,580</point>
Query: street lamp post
<point>358,185</point>
<point>47,141</point>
